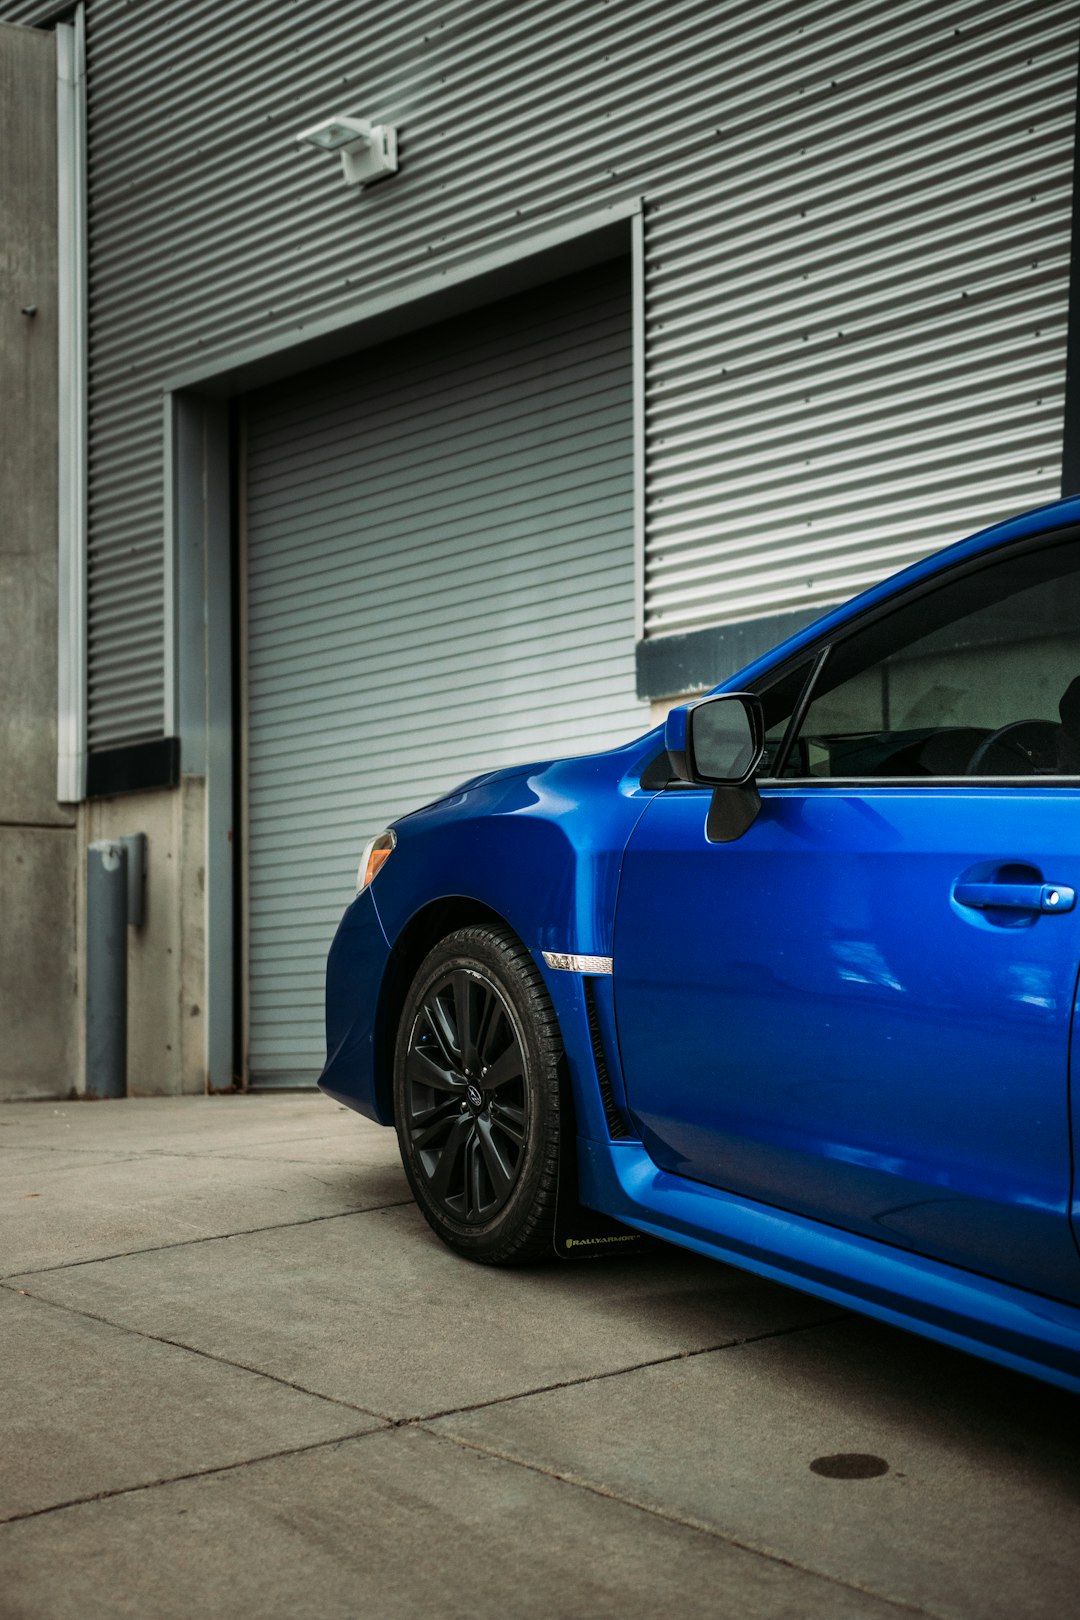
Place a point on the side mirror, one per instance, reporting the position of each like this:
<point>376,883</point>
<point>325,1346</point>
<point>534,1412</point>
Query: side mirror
<point>718,742</point>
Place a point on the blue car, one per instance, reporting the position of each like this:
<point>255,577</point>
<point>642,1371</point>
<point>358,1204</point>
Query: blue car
<point>790,981</point>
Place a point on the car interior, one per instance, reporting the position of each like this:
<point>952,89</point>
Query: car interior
<point>978,676</point>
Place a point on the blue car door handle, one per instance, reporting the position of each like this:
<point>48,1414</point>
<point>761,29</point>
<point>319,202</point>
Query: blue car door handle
<point>1015,896</point>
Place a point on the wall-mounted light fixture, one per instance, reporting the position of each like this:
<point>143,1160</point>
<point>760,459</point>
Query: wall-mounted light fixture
<point>368,151</point>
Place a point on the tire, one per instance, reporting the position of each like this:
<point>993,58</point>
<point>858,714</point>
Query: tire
<point>482,1159</point>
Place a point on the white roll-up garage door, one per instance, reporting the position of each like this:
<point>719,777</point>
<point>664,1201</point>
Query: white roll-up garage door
<point>440,579</point>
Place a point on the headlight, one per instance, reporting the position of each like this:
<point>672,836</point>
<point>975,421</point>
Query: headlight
<point>376,852</point>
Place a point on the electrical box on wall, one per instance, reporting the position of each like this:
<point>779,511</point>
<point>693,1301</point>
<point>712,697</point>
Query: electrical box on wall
<point>363,163</point>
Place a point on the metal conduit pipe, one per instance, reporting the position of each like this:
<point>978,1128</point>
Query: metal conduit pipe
<point>106,969</point>
<point>115,879</point>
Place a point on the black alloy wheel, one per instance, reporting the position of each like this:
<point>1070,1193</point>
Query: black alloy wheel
<point>477,1095</point>
<point>465,1094</point>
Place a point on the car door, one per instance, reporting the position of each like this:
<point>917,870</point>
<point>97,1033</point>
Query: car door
<point>861,1009</point>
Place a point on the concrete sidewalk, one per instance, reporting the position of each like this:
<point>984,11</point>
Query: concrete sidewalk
<point>241,1378</point>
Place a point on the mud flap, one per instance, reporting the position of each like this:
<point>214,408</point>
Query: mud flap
<point>585,1234</point>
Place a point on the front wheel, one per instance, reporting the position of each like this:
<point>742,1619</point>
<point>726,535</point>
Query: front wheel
<point>477,1097</point>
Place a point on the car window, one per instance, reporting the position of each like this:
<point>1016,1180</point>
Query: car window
<point>978,675</point>
<point>779,701</point>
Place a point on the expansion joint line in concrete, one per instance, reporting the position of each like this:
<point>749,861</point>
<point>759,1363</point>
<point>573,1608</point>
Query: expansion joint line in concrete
<point>686,1521</point>
<point>572,1481</point>
<point>381,1424</point>
<point>618,1372</point>
<point>194,1473</point>
<point>422,1422</point>
<point>187,1243</point>
<point>418,1419</point>
<point>193,1350</point>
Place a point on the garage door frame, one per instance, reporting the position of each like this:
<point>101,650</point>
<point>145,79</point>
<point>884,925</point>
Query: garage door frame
<point>200,485</point>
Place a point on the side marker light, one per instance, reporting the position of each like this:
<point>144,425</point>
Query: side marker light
<point>578,964</point>
<point>377,852</point>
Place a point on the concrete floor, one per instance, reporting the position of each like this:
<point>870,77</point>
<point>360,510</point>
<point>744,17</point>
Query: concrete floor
<point>241,1378</point>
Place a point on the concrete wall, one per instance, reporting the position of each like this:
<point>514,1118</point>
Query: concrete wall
<point>39,1023</point>
<point>166,1052</point>
<point>43,843</point>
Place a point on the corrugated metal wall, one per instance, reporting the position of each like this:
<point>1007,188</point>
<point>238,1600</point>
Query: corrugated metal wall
<point>857,307</point>
<point>23,11</point>
<point>440,581</point>
<point>857,222</point>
